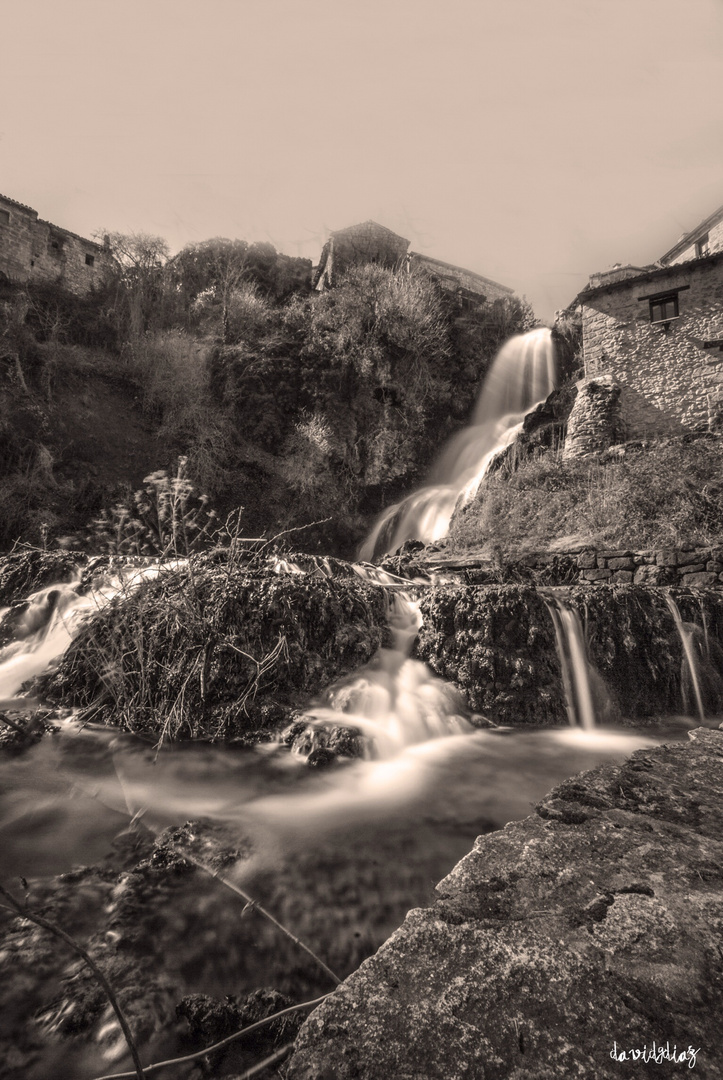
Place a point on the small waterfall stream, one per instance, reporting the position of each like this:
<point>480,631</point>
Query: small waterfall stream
<point>574,662</point>
<point>686,638</point>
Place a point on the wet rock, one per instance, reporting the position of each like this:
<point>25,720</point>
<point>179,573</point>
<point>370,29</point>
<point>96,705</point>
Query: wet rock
<point>497,645</point>
<point>593,924</point>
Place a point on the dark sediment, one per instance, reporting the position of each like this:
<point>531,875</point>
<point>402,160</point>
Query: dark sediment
<point>594,922</point>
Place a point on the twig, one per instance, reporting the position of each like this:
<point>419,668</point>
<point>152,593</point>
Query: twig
<point>11,723</point>
<point>25,913</point>
<point>221,1043</point>
<point>249,900</point>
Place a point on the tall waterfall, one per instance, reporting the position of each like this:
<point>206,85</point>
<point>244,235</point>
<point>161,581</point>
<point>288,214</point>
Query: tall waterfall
<point>521,377</point>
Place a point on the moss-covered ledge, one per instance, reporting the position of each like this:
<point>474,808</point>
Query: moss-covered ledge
<point>591,926</point>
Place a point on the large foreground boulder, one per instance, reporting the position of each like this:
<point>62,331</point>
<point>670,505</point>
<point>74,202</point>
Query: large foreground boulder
<point>584,941</point>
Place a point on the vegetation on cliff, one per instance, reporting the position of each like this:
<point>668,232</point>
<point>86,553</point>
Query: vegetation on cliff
<point>666,494</point>
<point>296,406</point>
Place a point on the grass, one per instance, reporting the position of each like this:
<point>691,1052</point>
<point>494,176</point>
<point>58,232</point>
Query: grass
<point>668,494</point>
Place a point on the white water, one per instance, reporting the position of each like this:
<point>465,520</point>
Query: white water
<point>52,619</point>
<point>572,652</point>
<point>686,638</point>
<point>521,377</point>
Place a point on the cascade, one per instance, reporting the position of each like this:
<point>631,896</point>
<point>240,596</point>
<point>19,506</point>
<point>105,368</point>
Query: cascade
<point>686,638</point>
<point>521,377</point>
<point>571,649</point>
<point>50,619</point>
<point>394,701</point>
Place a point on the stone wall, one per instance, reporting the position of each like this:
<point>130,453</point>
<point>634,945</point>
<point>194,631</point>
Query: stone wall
<point>355,246</point>
<point>456,277</point>
<point>671,376</point>
<point>35,250</point>
<point>697,568</point>
<point>594,423</point>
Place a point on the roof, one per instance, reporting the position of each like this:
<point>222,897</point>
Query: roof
<point>352,228</point>
<point>648,275</point>
<point>453,266</point>
<point>6,198</point>
<point>695,234</point>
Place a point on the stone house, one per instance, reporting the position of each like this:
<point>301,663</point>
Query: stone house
<point>35,250</point>
<point>370,242</point>
<point>653,343</point>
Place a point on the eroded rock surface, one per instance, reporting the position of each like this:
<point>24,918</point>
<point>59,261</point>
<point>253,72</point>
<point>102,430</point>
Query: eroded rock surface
<point>593,924</point>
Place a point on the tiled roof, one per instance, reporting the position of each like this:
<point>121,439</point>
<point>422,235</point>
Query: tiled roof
<point>6,198</point>
<point>649,275</point>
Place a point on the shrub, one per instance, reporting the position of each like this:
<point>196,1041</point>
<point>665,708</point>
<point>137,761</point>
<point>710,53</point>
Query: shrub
<point>166,517</point>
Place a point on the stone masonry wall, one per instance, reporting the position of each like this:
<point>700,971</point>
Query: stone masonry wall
<point>594,423</point>
<point>697,568</point>
<point>456,277</point>
<point>366,243</point>
<point>33,249</point>
<point>669,380</point>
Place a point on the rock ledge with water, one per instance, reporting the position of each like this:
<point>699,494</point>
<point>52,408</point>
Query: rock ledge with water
<point>592,925</point>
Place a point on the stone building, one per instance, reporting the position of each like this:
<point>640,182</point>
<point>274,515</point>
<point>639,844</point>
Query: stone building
<point>370,242</point>
<point>35,250</point>
<point>657,333</point>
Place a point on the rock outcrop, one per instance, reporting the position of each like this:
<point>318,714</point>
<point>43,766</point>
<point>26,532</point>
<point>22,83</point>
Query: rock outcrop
<point>590,929</point>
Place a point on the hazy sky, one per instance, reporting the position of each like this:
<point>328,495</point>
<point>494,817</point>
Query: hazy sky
<point>534,141</point>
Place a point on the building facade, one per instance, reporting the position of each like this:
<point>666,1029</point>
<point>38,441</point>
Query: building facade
<point>35,250</point>
<point>657,332</point>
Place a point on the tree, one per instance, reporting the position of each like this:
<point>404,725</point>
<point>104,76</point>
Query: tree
<point>139,260</point>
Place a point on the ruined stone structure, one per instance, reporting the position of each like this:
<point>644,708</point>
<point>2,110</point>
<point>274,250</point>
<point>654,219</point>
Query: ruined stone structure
<point>658,332</point>
<point>473,288</point>
<point>373,243</point>
<point>35,250</point>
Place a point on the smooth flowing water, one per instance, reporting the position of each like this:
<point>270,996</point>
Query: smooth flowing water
<point>522,376</point>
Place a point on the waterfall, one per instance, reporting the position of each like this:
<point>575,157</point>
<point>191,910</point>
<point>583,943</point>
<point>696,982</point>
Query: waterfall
<point>686,638</point>
<point>575,665</point>
<point>394,701</point>
<point>521,377</point>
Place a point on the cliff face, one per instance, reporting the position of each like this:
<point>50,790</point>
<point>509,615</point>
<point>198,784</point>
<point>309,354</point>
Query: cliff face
<point>590,928</point>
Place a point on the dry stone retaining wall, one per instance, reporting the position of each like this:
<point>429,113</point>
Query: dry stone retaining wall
<point>698,568</point>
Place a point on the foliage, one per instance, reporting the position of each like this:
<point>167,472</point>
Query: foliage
<point>166,517</point>
<point>668,494</point>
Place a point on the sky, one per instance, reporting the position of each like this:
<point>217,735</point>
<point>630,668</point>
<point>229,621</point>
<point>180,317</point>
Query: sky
<point>533,141</point>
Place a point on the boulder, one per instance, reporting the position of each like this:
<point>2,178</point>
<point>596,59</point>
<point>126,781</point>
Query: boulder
<point>588,930</point>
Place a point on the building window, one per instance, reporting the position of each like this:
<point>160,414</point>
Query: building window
<point>90,260</point>
<point>4,217</point>
<point>702,247</point>
<point>663,308</point>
